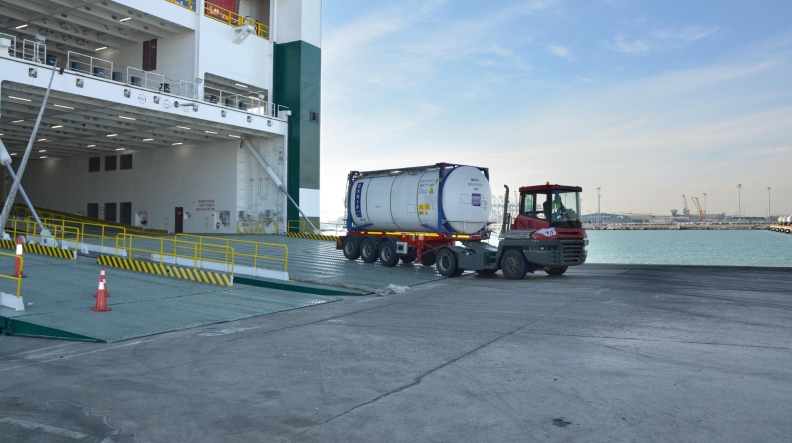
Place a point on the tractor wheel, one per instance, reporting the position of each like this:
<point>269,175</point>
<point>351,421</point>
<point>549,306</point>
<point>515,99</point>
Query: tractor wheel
<point>514,265</point>
<point>446,263</point>
<point>556,271</point>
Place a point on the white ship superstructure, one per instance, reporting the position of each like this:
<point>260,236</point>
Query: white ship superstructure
<point>154,104</point>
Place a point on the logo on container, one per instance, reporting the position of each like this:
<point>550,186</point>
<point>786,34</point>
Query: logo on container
<point>358,194</point>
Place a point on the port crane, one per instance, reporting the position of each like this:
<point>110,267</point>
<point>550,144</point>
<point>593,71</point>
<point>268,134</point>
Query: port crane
<point>701,213</point>
<point>686,211</point>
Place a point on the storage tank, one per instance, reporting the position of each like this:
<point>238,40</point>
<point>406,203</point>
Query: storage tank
<point>417,200</point>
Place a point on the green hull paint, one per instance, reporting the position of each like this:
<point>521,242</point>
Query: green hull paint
<point>12,326</point>
<point>297,85</point>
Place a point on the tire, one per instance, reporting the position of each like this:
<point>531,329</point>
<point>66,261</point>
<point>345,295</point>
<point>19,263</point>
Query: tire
<point>351,248</point>
<point>387,254</point>
<point>447,263</point>
<point>514,265</point>
<point>557,271</point>
<point>428,258</point>
<point>486,271</point>
<point>368,250</point>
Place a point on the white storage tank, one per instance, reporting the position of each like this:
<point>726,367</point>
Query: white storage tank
<point>417,200</point>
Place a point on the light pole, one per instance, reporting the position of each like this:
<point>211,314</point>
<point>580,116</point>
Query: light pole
<point>768,205</point>
<point>705,203</point>
<point>739,203</point>
<point>599,213</point>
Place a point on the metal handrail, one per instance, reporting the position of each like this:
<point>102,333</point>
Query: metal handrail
<point>29,227</point>
<point>80,226</point>
<point>19,277</point>
<point>36,50</point>
<point>231,18</point>
<point>96,66</point>
<point>125,242</point>
<point>12,50</point>
<point>244,102</point>
<point>186,4</point>
<point>239,244</point>
<point>148,79</point>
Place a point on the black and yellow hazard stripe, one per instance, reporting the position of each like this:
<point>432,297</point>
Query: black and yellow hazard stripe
<point>312,236</point>
<point>97,221</point>
<point>39,249</point>
<point>199,275</point>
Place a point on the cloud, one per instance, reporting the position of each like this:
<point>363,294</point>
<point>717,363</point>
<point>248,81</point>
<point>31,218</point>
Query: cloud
<point>561,51</point>
<point>620,44</point>
<point>685,36</point>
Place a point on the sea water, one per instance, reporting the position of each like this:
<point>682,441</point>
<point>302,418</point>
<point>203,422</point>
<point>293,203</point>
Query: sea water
<point>720,248</point>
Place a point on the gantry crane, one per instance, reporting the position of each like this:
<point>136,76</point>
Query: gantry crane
<point>701,213</point>
<point>686,211</point>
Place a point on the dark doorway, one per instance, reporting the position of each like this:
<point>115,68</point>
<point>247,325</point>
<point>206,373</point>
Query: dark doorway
<point>110,212</point>
<point>179,224</point>
<point>93,210</point>
<point>126,213</point>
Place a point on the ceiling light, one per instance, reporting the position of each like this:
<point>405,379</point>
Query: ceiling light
<point>90,146</point>
<point>57,126</point>
<point>184,127</point>
<point>125,19</point>
<point>120,149</point>
<point>43,156</point>
<point>2,135</point>
<point>99,49</point>
<point>18,98</point>
<point>147,139</point>
<point>112,135</point>
<point>126,118</point>
<point>17,121</point>
<point>241,85</point>
<point>13,153</point>
<point>235,136</point>
<point>175,144</point>
<point>21,26</point>
<point>208,132</point>
<point>61,106</point>
<point>42,150</point>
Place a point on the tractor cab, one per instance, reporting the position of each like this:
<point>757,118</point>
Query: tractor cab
<point>549,206</point>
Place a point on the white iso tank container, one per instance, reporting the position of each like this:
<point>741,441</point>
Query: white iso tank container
<point>408,200</point>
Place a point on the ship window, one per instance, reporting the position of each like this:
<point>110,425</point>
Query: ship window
<point>94,164</point>
<point>110,163</point>
<point>314,116</point>
<point>93,210</point>
<point>110,212</point>
<point>126,161</point>
<point>126,213</point>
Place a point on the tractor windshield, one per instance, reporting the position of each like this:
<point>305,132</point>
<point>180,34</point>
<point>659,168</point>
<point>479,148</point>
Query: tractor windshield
<point>561,208</point>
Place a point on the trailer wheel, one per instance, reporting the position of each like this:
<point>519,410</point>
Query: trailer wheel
<point>556,271</point>
<point>351,248</point>
<point>514,265</point>
<point>368,250</point>
<point>447,263</point>
<point>387,254</point>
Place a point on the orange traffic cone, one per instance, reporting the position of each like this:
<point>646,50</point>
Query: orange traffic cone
<point>101,299</point>
<point>103,278</point>
<point>18,262</point>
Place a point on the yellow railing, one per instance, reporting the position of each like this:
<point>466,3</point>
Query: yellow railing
<point>105,235</point>
<point>11,276</point>
<point>186,4</point>
<point>253,227</point>
<point>303,227</point>
<point>231,18</point>
<point>277,252</point>
<point>175,248</point>
<point>31,227</point>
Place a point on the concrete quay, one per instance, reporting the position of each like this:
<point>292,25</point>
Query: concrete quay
<point>604,353</point>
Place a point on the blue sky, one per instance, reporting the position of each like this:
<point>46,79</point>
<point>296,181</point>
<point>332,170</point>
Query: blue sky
<point>648,100</point>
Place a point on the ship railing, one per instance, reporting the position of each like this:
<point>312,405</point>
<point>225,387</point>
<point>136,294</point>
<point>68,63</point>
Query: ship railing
<point>186,4</point>
<point>147,79</point>
<point>231,18</point>
<point>188,89</point>
<point>34,51</point>
<point>89,65</point>
<point>243,102</point>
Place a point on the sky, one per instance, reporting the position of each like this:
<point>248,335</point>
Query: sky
<point>647,100</point>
